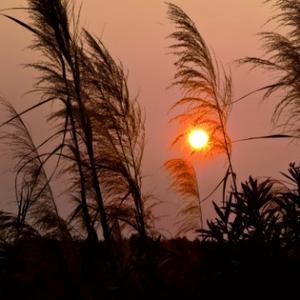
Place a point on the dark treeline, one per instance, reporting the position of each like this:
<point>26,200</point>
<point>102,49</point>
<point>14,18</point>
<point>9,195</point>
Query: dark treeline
<point>107,246</point>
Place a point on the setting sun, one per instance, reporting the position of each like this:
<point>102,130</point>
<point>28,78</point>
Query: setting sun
<point>198,139</point>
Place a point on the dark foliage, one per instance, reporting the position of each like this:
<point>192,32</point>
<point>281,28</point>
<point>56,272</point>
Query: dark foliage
<point>252,244</point>
<point>48,269</point>
<point>265,212</point>
<point>254,239</point>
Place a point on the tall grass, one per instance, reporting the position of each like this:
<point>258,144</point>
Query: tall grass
<point>36,207</point>
<point>207,95</point>
<point>281,58</point>
<point>100,128</point>
<point>184,181</point>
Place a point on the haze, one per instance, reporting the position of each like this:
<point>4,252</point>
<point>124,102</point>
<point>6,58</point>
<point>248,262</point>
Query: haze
<point>135,32</point>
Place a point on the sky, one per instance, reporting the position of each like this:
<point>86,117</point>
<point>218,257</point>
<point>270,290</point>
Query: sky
<point>136,33</point>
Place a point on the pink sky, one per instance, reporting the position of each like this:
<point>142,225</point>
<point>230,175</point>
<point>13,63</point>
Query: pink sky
<point>135,32</point>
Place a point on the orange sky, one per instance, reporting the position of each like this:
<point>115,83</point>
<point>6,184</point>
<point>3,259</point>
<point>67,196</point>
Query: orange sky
<point>135,32</point>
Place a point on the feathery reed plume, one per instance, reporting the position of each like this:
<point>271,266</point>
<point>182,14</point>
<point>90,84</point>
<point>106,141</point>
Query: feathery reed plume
<point>119,129</point>
<point>184,181</point>
<point>206,89</point>
<point>100,126</point>
<point>283,59</point>
<point>34,198</point>
<point>207,92</point>
<point>60,79</point>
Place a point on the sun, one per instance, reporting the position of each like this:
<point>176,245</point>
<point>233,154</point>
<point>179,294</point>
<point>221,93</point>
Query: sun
<point>198,138</point>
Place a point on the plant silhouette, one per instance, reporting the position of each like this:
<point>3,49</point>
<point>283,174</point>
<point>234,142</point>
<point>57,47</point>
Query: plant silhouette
<point>101,129</point>
<point>106,245</point>
<point>36,207</point>
<point>206,89</point>
<point>207,99</point>
<point>184,181</point>
<point>283,53</point>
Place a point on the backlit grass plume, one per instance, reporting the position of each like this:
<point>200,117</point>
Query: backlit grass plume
<point>118,123</point>
<point>36,207</point>
<point>282,59</point>
<point>206,87</point>
<point>206,96</point>
<point>100,127</point>
<point>55,30</point>
<point>184,181</point>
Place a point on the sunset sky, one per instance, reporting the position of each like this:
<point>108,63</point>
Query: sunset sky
<point>135,32</point>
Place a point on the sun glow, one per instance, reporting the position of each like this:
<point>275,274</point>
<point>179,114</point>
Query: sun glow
<point>198,139</point>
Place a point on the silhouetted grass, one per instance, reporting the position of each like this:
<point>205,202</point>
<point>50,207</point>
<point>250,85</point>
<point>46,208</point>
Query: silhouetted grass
<point>206,87</point>
<point>207,101</point>
<point>252,243</point>
<point>281,57</point>
<point>99,127</point>
<point>184,181</point>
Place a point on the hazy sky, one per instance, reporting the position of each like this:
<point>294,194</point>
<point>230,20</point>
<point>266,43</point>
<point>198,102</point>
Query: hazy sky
<point>135,32</point>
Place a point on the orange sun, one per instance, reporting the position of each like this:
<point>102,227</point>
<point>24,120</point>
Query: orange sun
<point>198,139</point>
